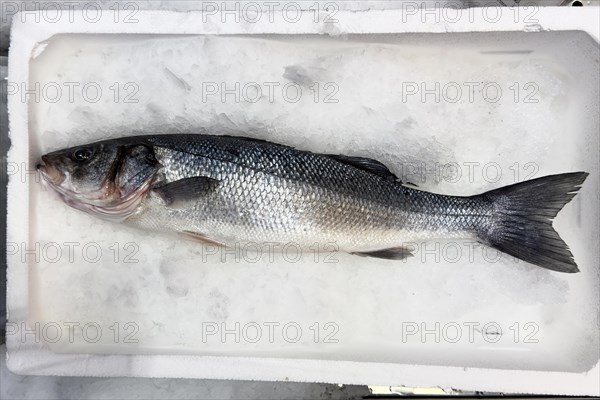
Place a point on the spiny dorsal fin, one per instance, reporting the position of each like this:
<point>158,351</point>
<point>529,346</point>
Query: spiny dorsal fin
<point>366,164</point>
<point>254,140</point>
<point>176,193</point>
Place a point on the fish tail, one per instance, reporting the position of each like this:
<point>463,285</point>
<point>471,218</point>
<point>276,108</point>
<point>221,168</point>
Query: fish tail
<point>521,224</point>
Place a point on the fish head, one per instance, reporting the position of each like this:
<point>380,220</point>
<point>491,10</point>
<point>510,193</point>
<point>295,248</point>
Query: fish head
<point>106,178</point>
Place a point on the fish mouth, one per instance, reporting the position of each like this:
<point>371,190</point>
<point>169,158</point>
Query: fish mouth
<point>50,172</point>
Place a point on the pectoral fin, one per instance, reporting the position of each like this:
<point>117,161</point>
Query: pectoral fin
<point>393,253</point>
<point>180,192</point>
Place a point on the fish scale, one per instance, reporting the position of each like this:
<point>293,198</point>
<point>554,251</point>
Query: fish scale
<point>297,192</point>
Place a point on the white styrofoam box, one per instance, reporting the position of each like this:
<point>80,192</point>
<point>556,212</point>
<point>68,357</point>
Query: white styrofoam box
<point>47,7</point>
<point>166,313</point>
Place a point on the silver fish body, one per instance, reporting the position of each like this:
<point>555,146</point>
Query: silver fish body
<point>271,193</point>
<point>229,190</point>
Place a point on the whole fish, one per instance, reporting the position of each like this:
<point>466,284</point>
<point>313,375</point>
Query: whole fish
<point>226,190</point>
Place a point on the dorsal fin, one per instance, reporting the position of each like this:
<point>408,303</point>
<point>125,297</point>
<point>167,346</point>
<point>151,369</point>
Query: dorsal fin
<point>366,164</point>
<point>255,140</point>
<point>247,139</point>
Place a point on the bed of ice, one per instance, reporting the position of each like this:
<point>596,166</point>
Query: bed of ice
<point>173,298</point>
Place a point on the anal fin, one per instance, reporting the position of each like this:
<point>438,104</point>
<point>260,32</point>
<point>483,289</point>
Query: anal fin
<point>393,253</point>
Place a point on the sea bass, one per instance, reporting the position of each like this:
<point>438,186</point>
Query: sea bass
<point>226,190</point>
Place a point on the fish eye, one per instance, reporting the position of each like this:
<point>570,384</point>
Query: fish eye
<point>82,154</point>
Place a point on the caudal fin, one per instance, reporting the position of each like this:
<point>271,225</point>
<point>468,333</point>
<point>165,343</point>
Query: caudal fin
<point>522,221</point>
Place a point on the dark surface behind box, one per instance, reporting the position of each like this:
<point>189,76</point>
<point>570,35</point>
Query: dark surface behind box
<point>4,144</point>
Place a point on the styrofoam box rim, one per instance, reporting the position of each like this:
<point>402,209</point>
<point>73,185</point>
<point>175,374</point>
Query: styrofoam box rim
<point>28,358</point>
